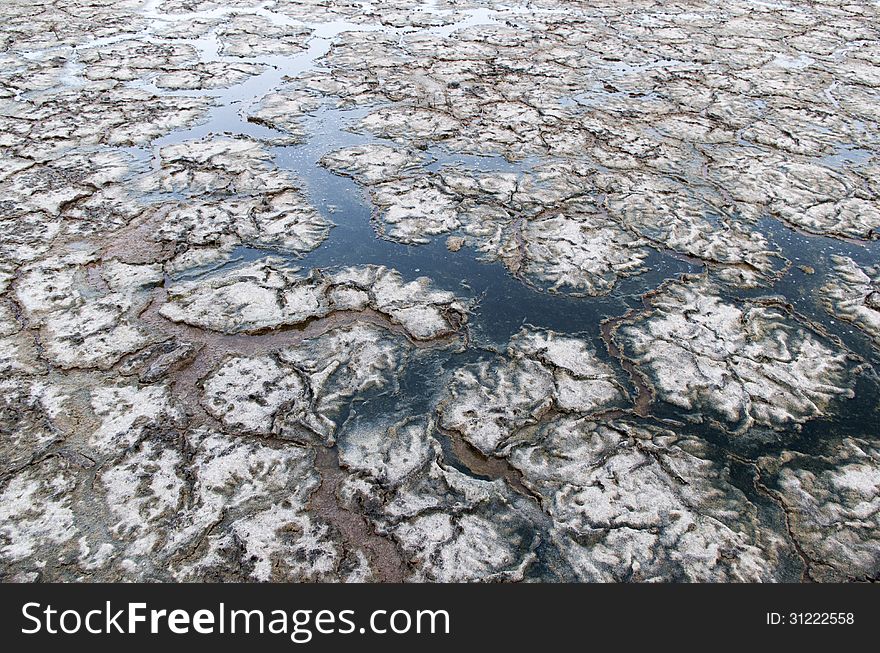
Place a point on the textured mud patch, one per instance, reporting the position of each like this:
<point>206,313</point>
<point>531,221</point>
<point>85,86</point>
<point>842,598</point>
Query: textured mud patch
<point>489,402</point>
<point>448,526</point>
<point>640,504</point>
<point>854,295</point>
<point>832,504</point>
<point>747,365</point>
<point>267,295</point>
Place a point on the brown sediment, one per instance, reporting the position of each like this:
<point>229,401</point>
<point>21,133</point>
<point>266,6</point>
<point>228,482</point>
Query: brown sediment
<point>133,244</point>
<point>386,563</point>
<point>482,465</point>
<point>644,395</point>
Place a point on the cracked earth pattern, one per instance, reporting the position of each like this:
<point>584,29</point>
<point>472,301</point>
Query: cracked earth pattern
<point>439,290</point>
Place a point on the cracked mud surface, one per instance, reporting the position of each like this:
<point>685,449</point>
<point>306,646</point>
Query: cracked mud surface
<point>404,290</point>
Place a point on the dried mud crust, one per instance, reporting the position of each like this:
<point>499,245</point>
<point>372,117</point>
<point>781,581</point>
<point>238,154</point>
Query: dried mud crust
<point>267,295</point>
<point>854,295</point>
<point>185,398</point>
<point>832,506</point>
<point>743,365</point>
<point>543,372</point>
<point>108,405</point>
<point>644,504</point>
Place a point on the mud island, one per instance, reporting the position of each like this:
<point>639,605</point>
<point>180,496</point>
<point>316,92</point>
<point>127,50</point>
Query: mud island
<point>450,290</point>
